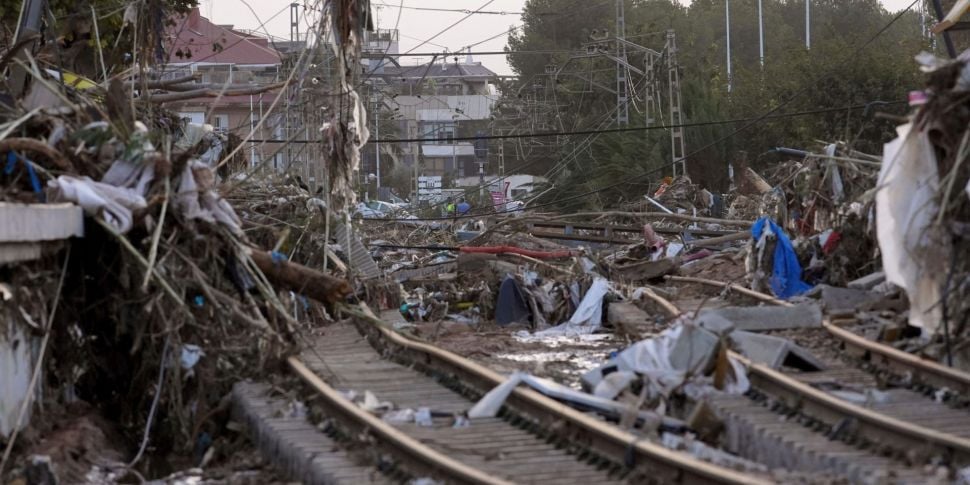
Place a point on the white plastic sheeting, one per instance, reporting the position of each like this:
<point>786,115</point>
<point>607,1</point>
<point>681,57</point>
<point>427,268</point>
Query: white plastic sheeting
<point>124,186</point>
<point>18,350</point>
<point>489,405</point>
<point>914,256</point>
<point>674,357</point>
<point>588,316</point>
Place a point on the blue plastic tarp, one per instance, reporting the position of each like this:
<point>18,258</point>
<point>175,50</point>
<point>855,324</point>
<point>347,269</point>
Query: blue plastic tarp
<point>786,278</point>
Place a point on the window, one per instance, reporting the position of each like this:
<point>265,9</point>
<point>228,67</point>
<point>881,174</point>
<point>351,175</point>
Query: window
<point>442,131</point>
<point>220,74</point>
<point>176,73</point>
<point>219,122</point>
<point>192,117</point>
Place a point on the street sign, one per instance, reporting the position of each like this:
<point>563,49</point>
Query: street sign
<point>429,188</point>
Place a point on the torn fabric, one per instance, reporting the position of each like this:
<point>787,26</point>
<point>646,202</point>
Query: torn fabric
<point>914,255</point>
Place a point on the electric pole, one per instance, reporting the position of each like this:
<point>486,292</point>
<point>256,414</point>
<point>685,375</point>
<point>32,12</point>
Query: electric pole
<point>677,149</point>
<point>377,145</point>
<point>808,24</point>
<point>761,34</point>
<point>622,86</point>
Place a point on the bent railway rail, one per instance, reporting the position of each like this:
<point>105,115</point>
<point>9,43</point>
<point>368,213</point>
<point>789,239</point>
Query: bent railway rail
<point>537,440</point>
<point>915,422</point>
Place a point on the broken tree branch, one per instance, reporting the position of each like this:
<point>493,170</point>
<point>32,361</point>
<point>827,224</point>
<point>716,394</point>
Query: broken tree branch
<point>737,288</point>
<point>714,241</point>
<point>186,87</point>
<point>39,147</point>
<point>153,251</point>
<point>298,278</point>
<point>657,215</point>
<point>166,83</point>
<point>210,93</point>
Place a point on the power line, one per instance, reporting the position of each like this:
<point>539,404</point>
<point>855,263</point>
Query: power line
<point>751,122</point>
<point>483,53</point>
<point>769,115</point>
<point>453,10</point>
<point>446,29</point>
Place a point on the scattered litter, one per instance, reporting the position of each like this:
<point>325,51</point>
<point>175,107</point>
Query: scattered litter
<point>423,417</point>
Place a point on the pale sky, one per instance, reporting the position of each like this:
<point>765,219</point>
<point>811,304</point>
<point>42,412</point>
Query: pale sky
<point>414,26</point>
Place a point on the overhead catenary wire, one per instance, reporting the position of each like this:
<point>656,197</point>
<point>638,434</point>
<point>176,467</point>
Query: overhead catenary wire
<point>452,10</point>
<point>446,29</point>
<point>300,64</point>
<point>616,130</point>
<point>769,114</point>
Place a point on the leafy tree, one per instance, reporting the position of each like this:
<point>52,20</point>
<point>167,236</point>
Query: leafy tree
<point>829,76</point>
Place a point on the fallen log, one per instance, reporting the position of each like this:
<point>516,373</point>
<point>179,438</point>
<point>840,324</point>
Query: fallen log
<point>738,288</point>
<point>714,241</point>
<point>658,215</point>
<point>565,253</point>
<point>298,278</point>
<point>38,147</point>
<point>209,93</point>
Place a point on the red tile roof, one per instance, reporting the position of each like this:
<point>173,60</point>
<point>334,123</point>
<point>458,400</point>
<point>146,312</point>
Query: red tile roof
<point>193,36</point>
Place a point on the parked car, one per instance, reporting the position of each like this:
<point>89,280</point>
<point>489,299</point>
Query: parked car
<point>378,209</point>
<point>363,210</point>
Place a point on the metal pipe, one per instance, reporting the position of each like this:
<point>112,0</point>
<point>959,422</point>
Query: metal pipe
<point>658,204</point>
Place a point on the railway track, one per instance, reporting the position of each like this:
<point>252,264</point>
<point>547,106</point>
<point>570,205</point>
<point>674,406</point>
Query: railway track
<point>534,439</point>
<point>892,413</point>
<point>790,420</point>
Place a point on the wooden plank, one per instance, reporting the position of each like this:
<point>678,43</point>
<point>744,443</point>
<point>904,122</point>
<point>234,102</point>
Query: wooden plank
<point>625,229</point>
<point>581,237</point>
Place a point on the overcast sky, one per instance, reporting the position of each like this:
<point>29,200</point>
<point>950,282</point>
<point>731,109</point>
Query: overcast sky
<point>415,25</point>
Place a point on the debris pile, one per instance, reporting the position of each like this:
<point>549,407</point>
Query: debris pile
<point>172,295</point>
<point>922,207</point>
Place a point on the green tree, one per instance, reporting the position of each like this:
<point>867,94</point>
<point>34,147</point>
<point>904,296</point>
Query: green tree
<point>825,77</point>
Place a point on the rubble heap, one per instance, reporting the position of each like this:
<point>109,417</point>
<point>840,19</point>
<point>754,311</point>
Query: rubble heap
<point>171,296</point>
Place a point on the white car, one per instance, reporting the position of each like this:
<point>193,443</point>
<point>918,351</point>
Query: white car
<point>367,212</point>
<point>377,209</point>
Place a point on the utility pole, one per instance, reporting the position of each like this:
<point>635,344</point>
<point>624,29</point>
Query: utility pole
<point>377,146</point>
<point>252,127</point>
<point>727,17</point>
<point>808,24</point>
<point>761,34</point>
<point>622,86</point>
<point>677,149</point>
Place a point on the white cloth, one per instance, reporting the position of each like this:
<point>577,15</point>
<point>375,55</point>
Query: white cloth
<point>588,316</point>
<point>914,255</point>
<point>114,204</point>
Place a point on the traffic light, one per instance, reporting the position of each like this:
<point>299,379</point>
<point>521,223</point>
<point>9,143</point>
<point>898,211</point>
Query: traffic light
<point>481,145</point>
